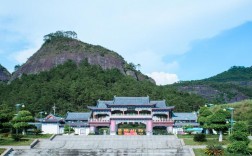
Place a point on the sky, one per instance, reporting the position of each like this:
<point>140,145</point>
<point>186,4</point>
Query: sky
<point>171,40</point>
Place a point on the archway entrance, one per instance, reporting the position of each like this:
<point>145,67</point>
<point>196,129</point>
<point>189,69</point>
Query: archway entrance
<point>160,130</point>
<point>102,130</point>
<point>131,129</point>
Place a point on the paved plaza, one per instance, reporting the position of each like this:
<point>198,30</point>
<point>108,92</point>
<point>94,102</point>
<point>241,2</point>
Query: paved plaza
<point>166,145</point>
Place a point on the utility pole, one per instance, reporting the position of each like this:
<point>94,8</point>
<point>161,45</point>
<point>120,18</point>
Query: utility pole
<point>54,108</point>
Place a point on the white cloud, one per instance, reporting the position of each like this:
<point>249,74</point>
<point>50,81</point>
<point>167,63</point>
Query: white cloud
<point>23,55</point>
<point>163,78</point>
<point>164,28</point>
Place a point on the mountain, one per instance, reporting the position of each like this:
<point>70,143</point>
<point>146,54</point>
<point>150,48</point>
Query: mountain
<point>72,75</point>
<point>4,74</point>
<point>232,85</point>
<point>62,46</point>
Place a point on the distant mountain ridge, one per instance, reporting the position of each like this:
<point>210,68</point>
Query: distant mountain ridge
<point>59,49</point>
<point>232,85</point>
<point>4,74</point>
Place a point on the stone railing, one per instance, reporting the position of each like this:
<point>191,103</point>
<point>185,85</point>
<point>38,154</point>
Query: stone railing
<point>161,120</point>
<point>130,116</point>
<point>98,120</point>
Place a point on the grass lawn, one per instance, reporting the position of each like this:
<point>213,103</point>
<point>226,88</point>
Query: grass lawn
<point>40,136</point>
<point>25,141</point>
<point>2,150</point>
<point>10,141</point>
<point>200,152</point>
<point>191,136</point>
<point>211,139</point>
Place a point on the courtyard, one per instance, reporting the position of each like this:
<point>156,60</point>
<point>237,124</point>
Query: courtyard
<point>107,145</point>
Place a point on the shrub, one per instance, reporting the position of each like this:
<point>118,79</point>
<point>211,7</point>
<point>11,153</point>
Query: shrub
<point>101,131</point>
<point>5,135</point>
<point>238,147</point>
<point>199,137</point>
<point>215,150</point>
<point>37,131</point>
<point>68,129</point>
<point>17,137</point>
<point>239,136</point>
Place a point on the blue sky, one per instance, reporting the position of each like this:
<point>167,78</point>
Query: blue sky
<point>172,40</point>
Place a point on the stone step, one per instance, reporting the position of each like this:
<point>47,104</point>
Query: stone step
<point>63,152</point>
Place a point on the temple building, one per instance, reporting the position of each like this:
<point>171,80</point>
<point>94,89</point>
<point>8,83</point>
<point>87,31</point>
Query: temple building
<point>78,121</point>
<point>131,110</point>
<point>181,120</point>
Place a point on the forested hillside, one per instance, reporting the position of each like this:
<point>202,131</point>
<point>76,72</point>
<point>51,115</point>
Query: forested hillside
<point>73,88</point>
<point>242,110</point>
<point>232,85</point>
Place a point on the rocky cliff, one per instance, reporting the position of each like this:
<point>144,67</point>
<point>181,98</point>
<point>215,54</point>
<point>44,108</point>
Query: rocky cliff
<point>59,50</point>
<point>232,85</point>
<point>4,74</point>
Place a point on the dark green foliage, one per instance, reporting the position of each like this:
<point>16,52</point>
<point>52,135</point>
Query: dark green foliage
<point>240,127</point>
<point>102,130</point>
<point>20,121</point>
<point>238,147</point>
<point>239,136</point>
<point>224,87</point>
<point>59,35</point>
<point>160,131</point>
<point>17,137</point>
<point>37,131</point>
<point>204,113</point>
<point>218,120</point>
<point>239,139</point>
<point>235,73</point>
<point>199,137</point>
<point>6,115</point>
<point>215,150</point>
<point>73,88</point>
<point>68,129</point>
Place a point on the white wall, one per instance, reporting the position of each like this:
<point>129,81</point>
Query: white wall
<point>81,130</point>
<point>177,130</point>
<point>50,128</point>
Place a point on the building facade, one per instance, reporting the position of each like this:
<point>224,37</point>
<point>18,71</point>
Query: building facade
<point>125,110</point>
<point>52,124</point>
<point>182,120</point>
<point>78,121</point>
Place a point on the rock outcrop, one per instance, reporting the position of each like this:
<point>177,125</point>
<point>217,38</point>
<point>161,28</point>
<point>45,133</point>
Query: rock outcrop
<point>57,52</point>
<point>4,74</point>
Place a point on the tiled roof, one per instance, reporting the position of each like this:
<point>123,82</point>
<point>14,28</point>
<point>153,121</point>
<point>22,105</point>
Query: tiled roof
<point>184,116</point>
<point>195,124</point>
<point>102,104</point>
<point>159,104</point>
<point>52,119</point>
<point>131,100</point>
<point>77,116</point>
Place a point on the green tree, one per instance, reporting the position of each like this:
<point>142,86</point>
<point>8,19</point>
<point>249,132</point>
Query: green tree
<point>217,121</point>
<point>20,121</point>
<point>6,115</point>
<point>239,138</point>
